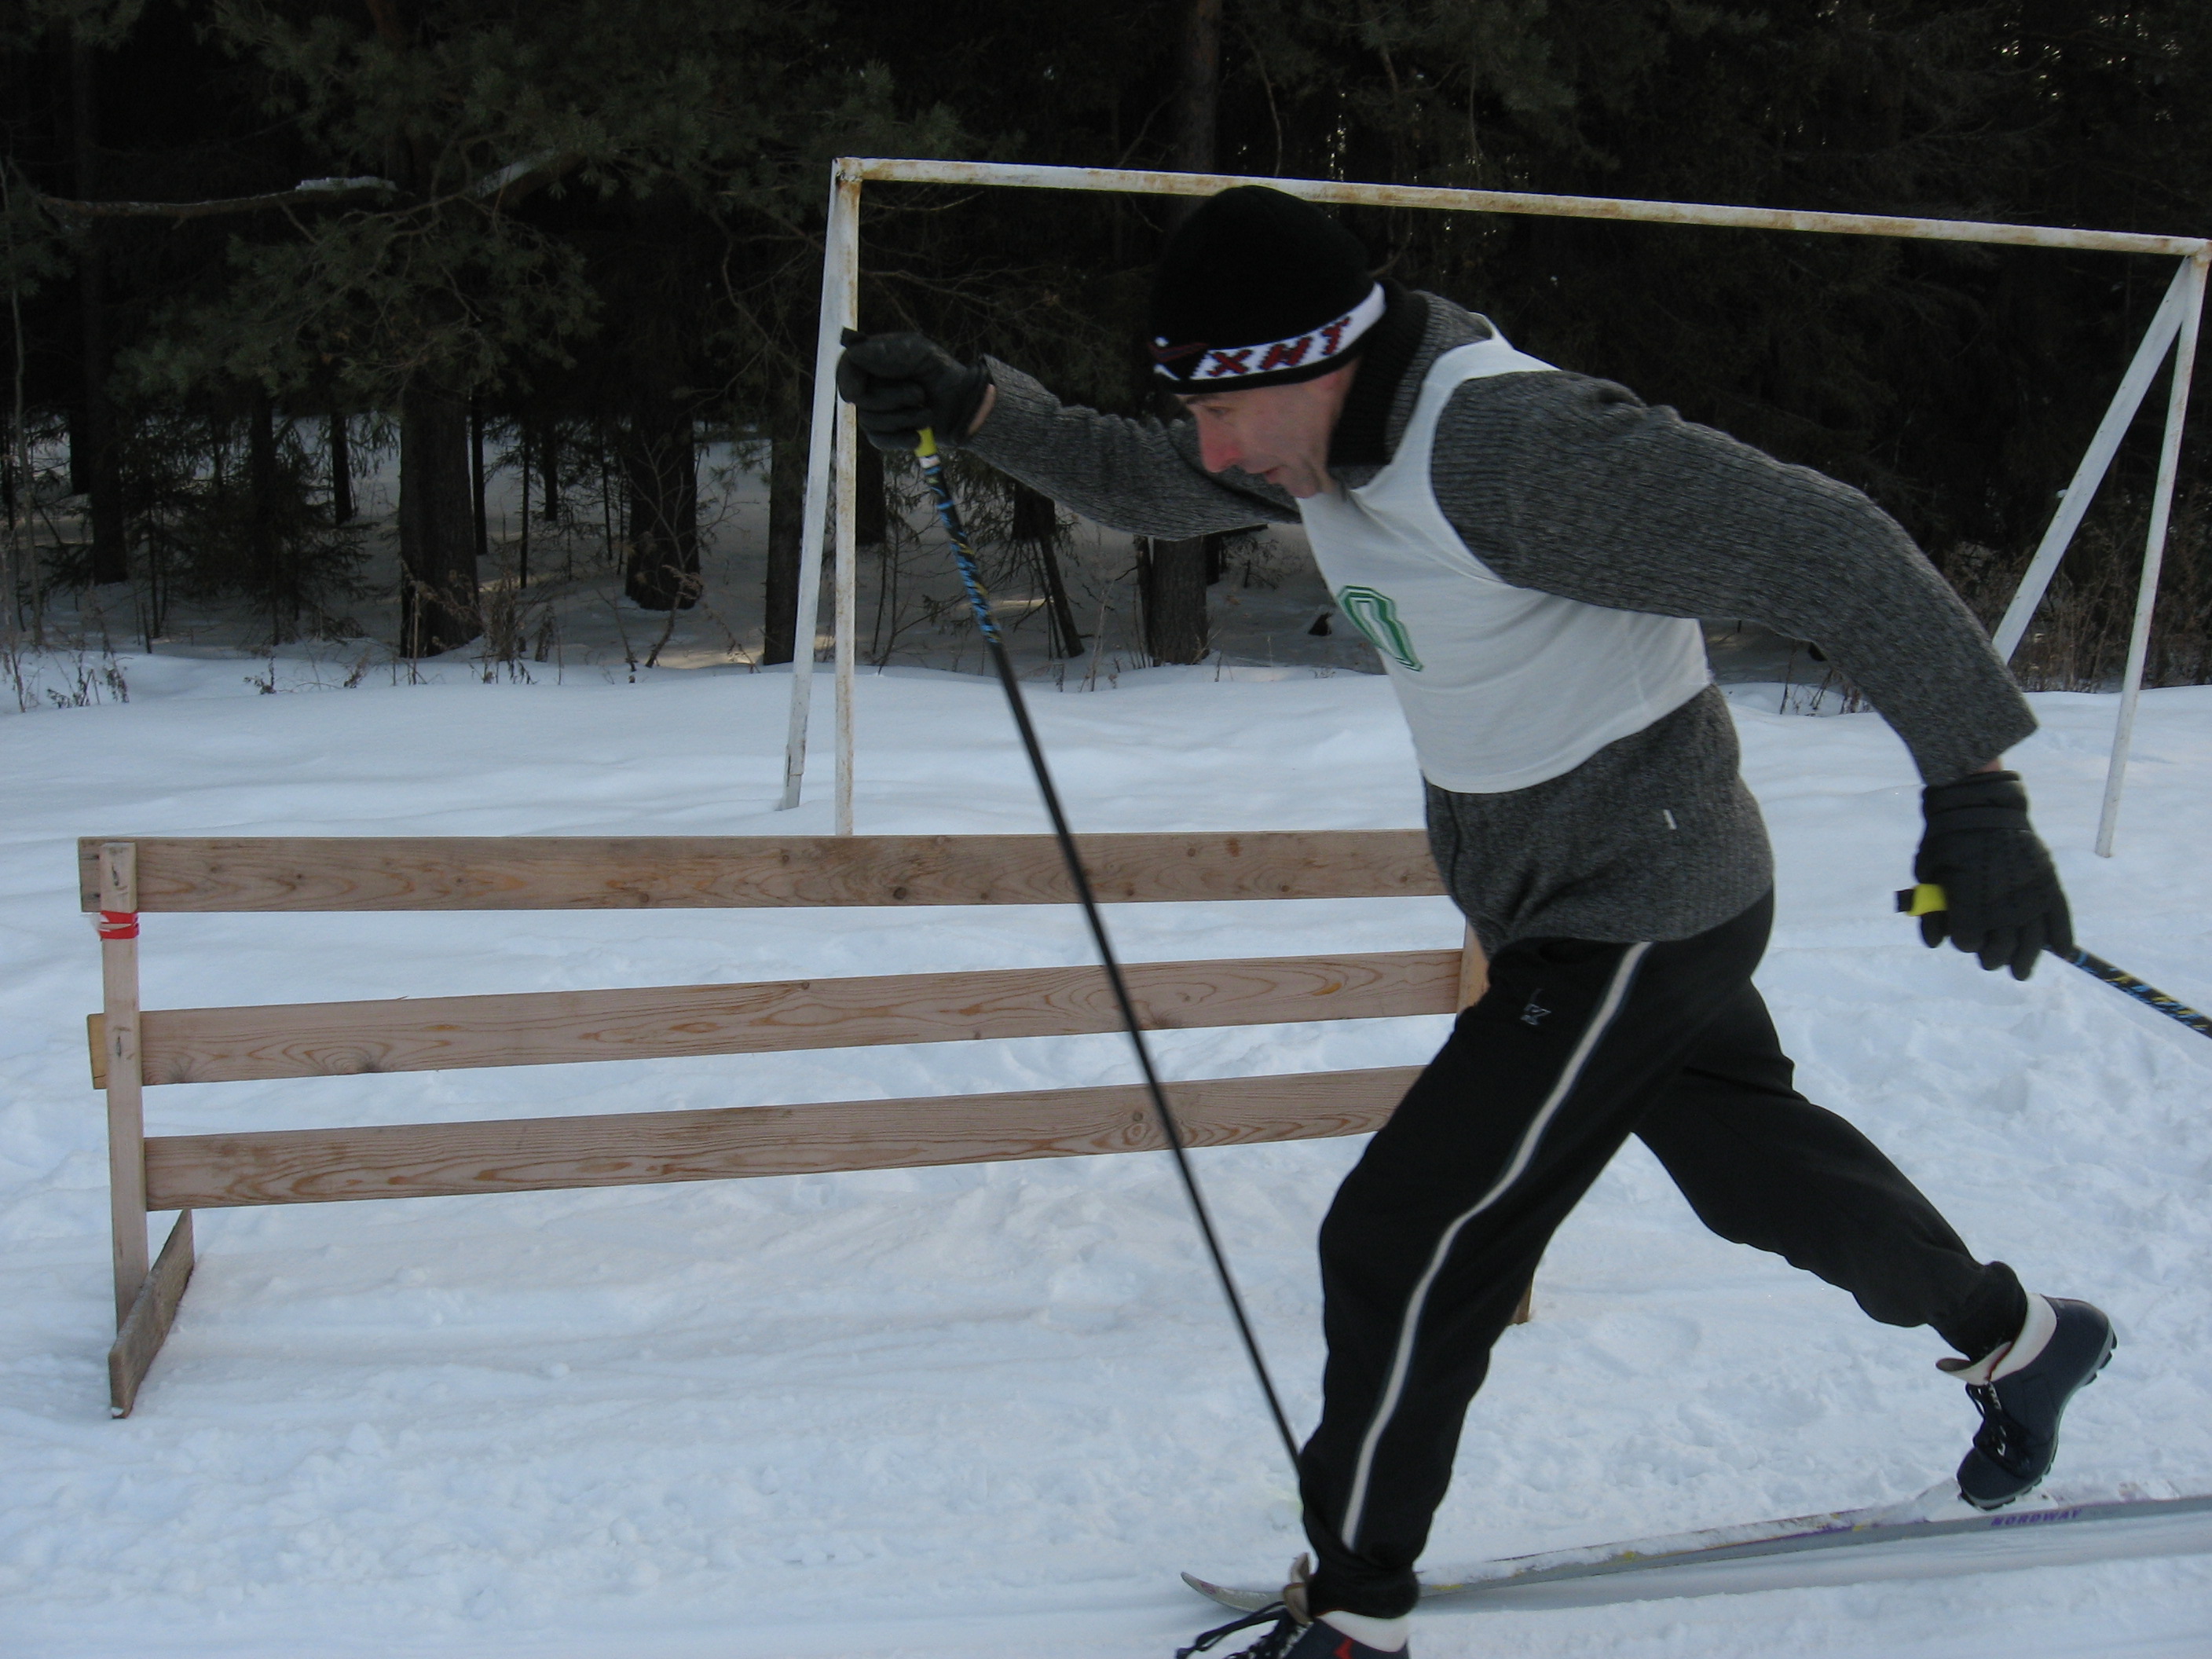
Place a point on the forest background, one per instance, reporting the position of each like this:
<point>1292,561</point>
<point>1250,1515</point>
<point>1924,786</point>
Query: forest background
<point>578,242</point>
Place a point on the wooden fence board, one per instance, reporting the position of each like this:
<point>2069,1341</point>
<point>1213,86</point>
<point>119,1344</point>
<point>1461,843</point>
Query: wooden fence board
<point>551,1028</point>
<point>674,872</point>
<point>308,1166</point>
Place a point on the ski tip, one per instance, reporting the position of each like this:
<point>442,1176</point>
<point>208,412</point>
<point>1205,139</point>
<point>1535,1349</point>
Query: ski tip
<point>1243,1600</point>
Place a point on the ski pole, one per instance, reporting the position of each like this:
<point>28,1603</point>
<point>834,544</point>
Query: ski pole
<point>1927,899</point>
<point>948,513</point>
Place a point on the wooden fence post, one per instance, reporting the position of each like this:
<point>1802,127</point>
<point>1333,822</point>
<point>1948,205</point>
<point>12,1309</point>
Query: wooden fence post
<point>126,1115</point>
<point>1474,971</point>
<point>145,1302</point>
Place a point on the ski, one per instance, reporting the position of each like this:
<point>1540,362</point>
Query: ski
<point>1975,1541</point>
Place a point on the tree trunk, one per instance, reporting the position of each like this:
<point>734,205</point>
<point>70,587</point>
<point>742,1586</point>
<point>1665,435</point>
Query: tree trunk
<point>1198,100</point>
<point>661,480</point>
<point>1036,526</point>
<point>1172,576</point>
<point>95,472</point>
<point>870,517</point>
<point>787,512</point>
<point>476,481</point>
<point>263,555</point>
<point>549,461</point>
<point>341,471</point>
<point>437,542</point>
<point>1171,584</point>
<point>80,433</point>
<point>522,476</point>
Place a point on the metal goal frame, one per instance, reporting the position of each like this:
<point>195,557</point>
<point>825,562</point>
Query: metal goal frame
<point>832,453</point>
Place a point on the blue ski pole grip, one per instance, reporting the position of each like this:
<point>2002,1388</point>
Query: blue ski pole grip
<point>948,514</point>
<point>1925,900</point>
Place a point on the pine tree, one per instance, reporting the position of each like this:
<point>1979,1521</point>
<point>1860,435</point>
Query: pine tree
<point>523,146</point>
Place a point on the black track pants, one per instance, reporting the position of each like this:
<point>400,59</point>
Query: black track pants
<point>1433,1236</point>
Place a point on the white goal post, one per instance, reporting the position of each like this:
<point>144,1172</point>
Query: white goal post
<point>830,458</point>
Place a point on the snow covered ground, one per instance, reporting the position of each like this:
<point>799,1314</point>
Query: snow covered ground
<point>992,1411</point>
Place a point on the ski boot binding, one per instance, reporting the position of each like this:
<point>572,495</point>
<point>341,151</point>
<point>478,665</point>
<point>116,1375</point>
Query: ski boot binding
<point>1293,1633</point>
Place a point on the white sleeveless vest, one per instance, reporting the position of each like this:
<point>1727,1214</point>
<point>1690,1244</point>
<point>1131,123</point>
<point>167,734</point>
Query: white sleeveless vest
<point>1502,686</point>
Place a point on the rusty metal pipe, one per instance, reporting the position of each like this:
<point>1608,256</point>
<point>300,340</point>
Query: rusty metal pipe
<point>893,171</point>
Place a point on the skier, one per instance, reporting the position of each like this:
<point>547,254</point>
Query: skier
<point>1526,548</point>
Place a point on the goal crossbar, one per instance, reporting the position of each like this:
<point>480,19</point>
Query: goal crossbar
<point>1624,209</point>
<point>831,457</point>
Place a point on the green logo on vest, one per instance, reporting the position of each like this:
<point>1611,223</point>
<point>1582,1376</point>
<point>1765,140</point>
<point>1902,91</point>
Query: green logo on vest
<point>1376,615</point>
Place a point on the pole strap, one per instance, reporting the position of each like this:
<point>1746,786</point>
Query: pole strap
<point>113,925</point>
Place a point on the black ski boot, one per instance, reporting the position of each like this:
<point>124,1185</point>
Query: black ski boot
<point>1287,1637</point>
<point>2021,1390</point>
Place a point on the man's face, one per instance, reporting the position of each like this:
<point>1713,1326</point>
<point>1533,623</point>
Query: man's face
<point>1278,432</point>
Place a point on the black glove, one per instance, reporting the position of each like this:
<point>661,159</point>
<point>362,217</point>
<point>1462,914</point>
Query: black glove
<point>898,384</point>
<point>2005,904</point>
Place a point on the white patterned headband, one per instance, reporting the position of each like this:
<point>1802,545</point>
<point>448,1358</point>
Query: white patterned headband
<point>1230,363</point>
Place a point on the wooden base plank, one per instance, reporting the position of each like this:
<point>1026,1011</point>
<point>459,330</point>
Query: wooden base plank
<point>146,1325</point>
<point>547,1028</point>
<point>548,872</point>
<point>419,1160</point>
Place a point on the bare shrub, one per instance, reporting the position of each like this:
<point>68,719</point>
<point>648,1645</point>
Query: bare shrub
<point>2077,640</point>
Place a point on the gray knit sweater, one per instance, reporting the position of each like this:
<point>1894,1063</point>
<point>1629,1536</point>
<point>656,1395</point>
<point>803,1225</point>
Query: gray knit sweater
<point>1573,486</point>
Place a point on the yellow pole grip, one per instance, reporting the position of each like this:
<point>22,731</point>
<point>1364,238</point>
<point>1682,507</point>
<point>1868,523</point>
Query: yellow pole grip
<point>1925,900</point>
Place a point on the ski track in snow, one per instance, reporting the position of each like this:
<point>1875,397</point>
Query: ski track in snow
<point>994,1410</point>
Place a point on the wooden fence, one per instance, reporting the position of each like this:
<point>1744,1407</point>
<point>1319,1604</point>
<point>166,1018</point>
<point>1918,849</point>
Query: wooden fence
<point>133,1050</point>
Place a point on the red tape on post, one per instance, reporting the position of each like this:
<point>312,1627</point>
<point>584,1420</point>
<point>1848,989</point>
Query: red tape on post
<point>117,925</point>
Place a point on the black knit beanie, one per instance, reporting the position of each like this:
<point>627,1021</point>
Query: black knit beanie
<point>1256,288</point>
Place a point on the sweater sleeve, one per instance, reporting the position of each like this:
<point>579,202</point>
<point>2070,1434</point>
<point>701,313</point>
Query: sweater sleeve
<point>1142,476</point>
<point>1575,487</point>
